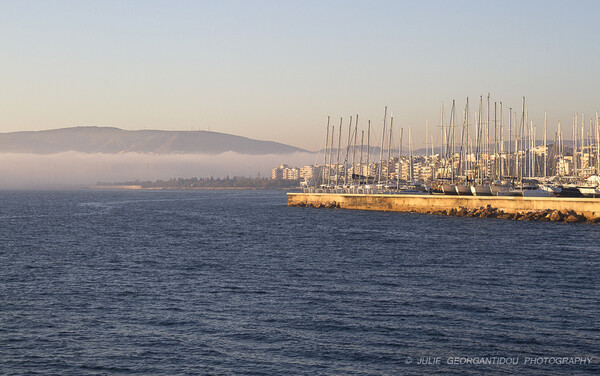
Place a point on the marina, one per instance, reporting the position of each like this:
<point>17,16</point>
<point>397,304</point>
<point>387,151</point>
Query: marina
<point>480,157</point>
<point>479,162</point>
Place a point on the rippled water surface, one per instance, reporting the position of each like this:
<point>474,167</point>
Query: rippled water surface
<point>236,282</point>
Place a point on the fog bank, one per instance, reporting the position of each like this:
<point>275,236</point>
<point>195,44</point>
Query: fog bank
<point>69,169</point>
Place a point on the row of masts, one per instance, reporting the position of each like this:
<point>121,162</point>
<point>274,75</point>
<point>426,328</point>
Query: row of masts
<point>478,156</point>
<point>348,166</point>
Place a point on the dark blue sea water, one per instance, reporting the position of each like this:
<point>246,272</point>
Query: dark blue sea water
<point>237,283</point>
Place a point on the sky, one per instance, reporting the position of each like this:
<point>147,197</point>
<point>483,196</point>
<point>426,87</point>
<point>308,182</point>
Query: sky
<point>275,70</point>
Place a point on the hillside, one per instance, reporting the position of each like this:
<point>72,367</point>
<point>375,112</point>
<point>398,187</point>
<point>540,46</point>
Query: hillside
<point>116,141</point>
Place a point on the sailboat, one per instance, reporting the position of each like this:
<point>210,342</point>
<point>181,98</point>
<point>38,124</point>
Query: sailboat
<point>481,190</point>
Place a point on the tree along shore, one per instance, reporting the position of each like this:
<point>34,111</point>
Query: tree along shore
<point>207,183</point>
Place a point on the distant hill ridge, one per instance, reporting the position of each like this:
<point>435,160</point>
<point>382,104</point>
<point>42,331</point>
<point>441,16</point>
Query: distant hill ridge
<point>112,140</point>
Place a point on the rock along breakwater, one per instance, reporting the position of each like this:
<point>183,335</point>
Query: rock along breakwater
<point>552,209</point>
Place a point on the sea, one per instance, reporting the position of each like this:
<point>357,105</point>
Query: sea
<point>234,282</point>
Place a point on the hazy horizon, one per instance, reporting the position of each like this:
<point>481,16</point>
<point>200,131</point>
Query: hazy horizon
<point>65,169</point>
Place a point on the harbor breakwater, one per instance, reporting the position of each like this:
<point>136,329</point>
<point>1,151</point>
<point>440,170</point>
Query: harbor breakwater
<point>507,207</point>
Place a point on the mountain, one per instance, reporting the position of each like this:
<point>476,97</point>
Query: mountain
<point>111,140</point>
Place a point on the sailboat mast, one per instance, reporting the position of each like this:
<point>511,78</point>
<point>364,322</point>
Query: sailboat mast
<point>597,142</point>
<point>560,140</point>
<point>337,165</point>
<point>510,171</point>
<point>589,142</point>
<point>368,149</point>
<point>487,141</point>
<point>442,134</point>
<point>382,140</point>
<point>432,163</point>
<point>411,152</point>
<point>545,143</point>
<point>331,153</point>
<point>589,133</point>
<point>443,138</point>
<point>388,176</point>
<point>533,171</point>
<point>347,177</point>
<point>501,139</point>
<point>354,147</point>
<point>582,138</point>
<point>531,140</point>
<point>326,143</point>
<point>522,140</point>
<point>362,139</point>
<point>496,165</point>
<point>478,158</point>
<point>452,121</point>
<point>399,157</point>
<point>517,165</point>
<point>461,157</point>
<point>574,146</point>
<point>467,152</point>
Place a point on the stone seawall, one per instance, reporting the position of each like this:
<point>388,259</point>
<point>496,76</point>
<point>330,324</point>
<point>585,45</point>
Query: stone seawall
<point>543,208</point>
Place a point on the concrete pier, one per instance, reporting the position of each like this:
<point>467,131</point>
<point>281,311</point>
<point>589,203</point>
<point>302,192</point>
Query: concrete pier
<point>440,204</point>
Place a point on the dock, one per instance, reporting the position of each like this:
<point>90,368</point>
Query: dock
<point>515,207</point>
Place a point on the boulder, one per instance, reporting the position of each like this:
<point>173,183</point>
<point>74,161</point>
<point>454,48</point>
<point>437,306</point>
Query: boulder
<point>574,218</point>
<point>491,214</point>
<point>556,216</point>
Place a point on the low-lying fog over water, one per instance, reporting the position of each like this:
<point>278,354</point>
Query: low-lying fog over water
<point>72,168</point>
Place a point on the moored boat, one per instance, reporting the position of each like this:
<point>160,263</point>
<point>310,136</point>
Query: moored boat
<point>481,190</point>
<point>463,190</point>
<point>589,192</point>
<point>449,189</point>
<point>569,191</point>
<point>530,190</point>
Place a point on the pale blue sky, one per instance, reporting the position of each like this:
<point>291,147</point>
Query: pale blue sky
<point>275,69</point>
